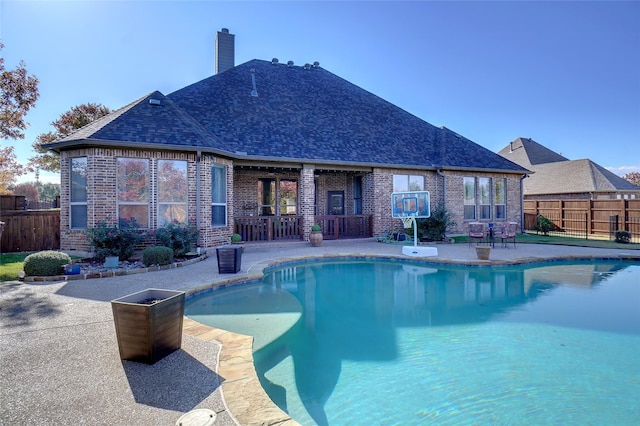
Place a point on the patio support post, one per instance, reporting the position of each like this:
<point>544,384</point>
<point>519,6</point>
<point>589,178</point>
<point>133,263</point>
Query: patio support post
<point>307,199</point>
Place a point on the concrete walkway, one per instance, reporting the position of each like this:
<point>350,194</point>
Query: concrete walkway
<point>59,361</point>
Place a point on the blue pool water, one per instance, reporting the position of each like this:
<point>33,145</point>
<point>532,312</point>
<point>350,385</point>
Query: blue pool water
<point>368,343</point>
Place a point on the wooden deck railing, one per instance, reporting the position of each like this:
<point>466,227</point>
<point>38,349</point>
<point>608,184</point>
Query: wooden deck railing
<point>348,226</point>
<point>273,228</point>
<point>269,228</point>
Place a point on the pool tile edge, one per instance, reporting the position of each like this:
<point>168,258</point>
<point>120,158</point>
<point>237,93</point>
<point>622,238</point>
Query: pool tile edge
<point>246,401</point>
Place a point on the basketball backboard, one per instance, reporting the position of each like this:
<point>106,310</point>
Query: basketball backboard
<point>412,203</point>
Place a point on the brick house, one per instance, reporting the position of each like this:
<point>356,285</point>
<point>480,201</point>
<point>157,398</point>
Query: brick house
<point>267,149</point>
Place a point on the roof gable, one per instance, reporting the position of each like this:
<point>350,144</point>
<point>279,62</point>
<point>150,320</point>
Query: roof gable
<point>149,121</point>
<point>527,153</point>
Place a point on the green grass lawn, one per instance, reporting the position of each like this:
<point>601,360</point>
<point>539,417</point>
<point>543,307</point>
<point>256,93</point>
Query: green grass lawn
<point>10,265</point>
<point>565,241</point>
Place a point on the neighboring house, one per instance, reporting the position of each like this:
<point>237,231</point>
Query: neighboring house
<point>268,149</point>
<point>556,177</point>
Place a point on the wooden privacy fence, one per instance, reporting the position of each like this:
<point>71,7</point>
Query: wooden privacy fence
<point>30,230</point>
<point>584,218</point>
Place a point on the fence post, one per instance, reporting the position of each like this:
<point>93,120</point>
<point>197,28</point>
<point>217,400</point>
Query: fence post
<point>586,226</point>
<point>613,225</point>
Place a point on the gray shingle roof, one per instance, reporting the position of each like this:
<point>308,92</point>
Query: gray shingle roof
<point>574,176</point>
<point>299,114</point>
<point>528,153</point>
<point>149,121</point>
<point>555,174</point>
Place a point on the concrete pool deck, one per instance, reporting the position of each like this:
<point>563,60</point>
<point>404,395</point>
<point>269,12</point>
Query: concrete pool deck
<point>59,360</point>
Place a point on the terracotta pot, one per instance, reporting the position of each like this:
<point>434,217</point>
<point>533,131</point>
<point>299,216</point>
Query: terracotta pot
<point>483,252</point>
<point>316,239</point>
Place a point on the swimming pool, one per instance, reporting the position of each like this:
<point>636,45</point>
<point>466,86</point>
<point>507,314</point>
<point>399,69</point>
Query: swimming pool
<point>364,342</point>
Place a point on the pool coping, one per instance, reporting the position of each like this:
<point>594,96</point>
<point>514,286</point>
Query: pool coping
<point>244,397</point>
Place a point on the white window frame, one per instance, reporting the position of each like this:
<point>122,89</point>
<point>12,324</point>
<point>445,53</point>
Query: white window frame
<point>484,198</point>
<point>221,199</point>
<point>469,201</point>
<point>500,198</point>
<point>74,203</point>
<point>123,203</point>
<point>405,183</point>
<point>165,203</point>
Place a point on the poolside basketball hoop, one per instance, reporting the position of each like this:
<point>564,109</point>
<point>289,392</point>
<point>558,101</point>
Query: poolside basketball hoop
<point>409,206</point>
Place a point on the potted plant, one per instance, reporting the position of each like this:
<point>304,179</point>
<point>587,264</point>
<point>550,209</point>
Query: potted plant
<point>316,236</point>
<point>483,252</point>
<point>148,324</point>
<point>237,239</point>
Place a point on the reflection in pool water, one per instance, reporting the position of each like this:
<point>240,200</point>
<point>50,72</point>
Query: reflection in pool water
<point>365,342</point>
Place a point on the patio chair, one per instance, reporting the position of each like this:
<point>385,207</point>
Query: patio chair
<point>507,232</point>
<point>477,231</point>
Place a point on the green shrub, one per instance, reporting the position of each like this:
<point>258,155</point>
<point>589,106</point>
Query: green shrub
<point>157,255</point>
<point>434,228</point>
<point>114,240</point>
<point>623,237</point>
<point>543,225</point>
<point>178,237</point>
<point>236,238</point>
<point>316,228</point>
<point>45,263</point>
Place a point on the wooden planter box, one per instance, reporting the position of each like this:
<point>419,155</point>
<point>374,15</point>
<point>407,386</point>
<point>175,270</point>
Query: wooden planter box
<point>148,324</point>
<point>229,259</point>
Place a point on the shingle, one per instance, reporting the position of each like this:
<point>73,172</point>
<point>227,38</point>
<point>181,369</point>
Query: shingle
<point>576,176</point>
<point>527,153</point>
<point>298,115</point>
<point>317,116</point>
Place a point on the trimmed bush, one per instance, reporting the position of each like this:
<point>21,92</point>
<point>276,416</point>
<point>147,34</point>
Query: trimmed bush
<point>114,240</point>
<point>544,225</point>
<point>157,255</point>
<point>45,263</point>
<point>434,227</point>
<point>236,238</point>
<point>623,237</point>
<point>179,237</point>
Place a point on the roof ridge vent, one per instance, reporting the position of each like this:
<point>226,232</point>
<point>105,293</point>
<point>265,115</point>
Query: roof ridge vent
<point>290,64</point>
<point>254,92</point>
<point>316,64</point>
<point>274,61</point>
<point>307,67</point>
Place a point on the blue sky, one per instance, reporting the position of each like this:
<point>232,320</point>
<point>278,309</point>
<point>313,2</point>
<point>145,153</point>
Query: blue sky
<point>566,74</point>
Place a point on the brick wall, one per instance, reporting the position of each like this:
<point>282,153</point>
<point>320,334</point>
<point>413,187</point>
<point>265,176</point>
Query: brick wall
<point>242,195</point>
<point>455,197</point>
<point>101,192</point>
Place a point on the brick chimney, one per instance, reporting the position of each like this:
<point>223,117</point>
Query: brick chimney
<point>225,50</point>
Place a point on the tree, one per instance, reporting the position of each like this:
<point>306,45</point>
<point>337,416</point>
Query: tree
<point>10,169</point>
<point>28,189</point>
<point>77,117</point>
<point>48,191</point>
<point>633,177</point>
<point>18,94</point>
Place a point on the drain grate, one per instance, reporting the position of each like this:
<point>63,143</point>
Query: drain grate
<point>199,417</point>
